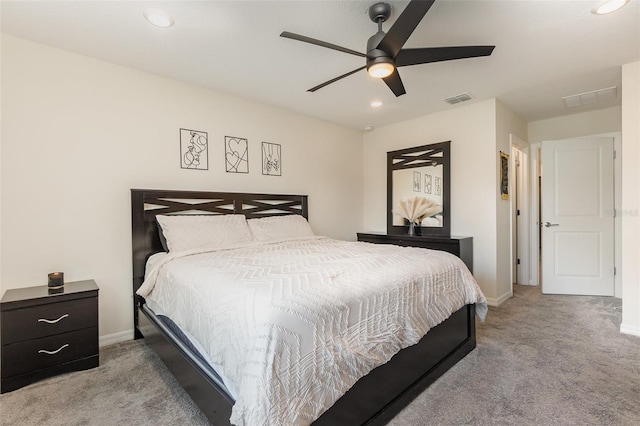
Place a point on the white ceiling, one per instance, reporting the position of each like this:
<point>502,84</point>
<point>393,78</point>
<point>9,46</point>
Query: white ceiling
<point>544,50</point>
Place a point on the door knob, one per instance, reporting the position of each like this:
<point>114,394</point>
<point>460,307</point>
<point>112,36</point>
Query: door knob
<point>548,224</point>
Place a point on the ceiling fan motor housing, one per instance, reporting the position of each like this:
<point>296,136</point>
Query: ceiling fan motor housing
<point>375,55</point>
<point>372,44</point>
<point>380,12</point>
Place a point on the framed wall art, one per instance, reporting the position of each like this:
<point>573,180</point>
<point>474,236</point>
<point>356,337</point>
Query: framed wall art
<point>428,179</point>
<point>416,181</point>
<point>236,154</point>
<point>504,175</point>
<point>194,150</point>
<point>271,159</point>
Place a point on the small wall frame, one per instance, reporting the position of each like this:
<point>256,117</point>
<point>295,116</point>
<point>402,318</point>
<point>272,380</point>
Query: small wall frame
<point>416,182</point>
<point>504,175</point>
<point>236,154</point>
<point>194,149</point>
<point>271,159</point>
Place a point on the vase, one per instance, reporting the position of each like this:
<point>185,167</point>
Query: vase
<point>412,230</point>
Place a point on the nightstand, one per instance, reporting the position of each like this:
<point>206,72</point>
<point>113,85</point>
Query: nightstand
<point>45,333</point>
<point>459,246</point>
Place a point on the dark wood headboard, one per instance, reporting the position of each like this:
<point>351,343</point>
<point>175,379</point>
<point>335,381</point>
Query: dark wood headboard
<point>147,203</point>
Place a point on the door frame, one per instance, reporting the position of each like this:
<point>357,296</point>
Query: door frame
<point>521,193</point>
<point>535,163</point>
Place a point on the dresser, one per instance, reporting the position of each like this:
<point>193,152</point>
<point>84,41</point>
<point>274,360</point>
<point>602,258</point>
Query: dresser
<point>459,246</point>
<point>47,332</point>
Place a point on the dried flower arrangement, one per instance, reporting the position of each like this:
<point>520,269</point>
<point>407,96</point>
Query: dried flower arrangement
<point>416,209</point>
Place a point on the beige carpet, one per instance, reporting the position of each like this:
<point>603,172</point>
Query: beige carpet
<point>540,360</point>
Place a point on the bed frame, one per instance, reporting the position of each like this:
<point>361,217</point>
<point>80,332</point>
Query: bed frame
<point>373,400</point>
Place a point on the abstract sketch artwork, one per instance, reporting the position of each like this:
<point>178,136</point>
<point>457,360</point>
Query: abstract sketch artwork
<point>427,183</point>
<point>416,181</point>
<point>438,186</point>
<point>271,159</point>
<point>236,154</point>
<point>193,150</point>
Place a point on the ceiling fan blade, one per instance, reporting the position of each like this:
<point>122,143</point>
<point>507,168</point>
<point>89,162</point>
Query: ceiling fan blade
<point>333,80</point>
<point>408,57</point>
<point>395,83</point>
<point>305,39</point>
<point>404,26</point>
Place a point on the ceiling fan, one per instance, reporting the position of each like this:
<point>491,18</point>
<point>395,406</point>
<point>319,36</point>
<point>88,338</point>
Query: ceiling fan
<point>384,50</point>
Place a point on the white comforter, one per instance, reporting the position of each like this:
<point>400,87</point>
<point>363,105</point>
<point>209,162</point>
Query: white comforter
<point>296,323</point>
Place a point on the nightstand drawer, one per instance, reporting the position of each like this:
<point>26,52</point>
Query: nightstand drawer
<point>18,358</point>
<point>46,320</point>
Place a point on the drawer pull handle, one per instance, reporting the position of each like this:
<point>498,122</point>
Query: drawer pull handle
<point>53,321</point>
<point>42,351</point>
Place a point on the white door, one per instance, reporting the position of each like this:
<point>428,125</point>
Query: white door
<point>577,216</point>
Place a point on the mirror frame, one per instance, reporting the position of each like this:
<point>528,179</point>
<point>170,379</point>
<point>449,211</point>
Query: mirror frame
<point>404,160</point>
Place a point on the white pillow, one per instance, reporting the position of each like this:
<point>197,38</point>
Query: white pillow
<point>187,232</point>
<point>280,227</point>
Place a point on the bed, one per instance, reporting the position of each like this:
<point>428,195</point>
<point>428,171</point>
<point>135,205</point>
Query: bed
<point>373,399</point>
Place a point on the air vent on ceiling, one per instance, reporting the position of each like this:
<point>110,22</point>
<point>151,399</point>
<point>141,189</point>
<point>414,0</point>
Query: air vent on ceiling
<point>586,98</point>
<point>458,98</point>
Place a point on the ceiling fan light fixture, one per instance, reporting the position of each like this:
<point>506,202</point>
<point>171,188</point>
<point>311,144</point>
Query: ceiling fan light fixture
<point>608,6</point>
<point>380,68</point>
<point>385,50</point>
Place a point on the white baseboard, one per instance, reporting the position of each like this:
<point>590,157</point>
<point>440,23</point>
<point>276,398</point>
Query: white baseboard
<point>500,300</point>
<point>110,339</point>
<point>630,329</point>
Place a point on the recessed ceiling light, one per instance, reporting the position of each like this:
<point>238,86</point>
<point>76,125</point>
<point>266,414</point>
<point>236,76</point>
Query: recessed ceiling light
<point>368,128</point>
<point>158,17</point>
<point>608,6</point>
<point>376,104</point>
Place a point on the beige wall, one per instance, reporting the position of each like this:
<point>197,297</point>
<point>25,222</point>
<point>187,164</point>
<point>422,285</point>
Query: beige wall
<point>78,133</point>
<point>630,199</point>
<point>575,125</point>
<point>472,130</point>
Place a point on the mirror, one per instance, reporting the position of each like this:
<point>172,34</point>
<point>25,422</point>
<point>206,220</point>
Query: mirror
<point>418,184</point>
